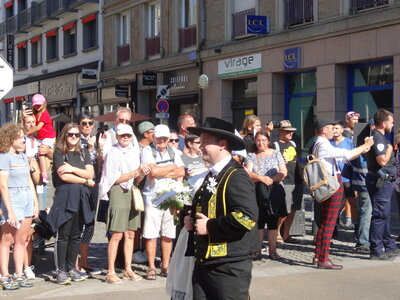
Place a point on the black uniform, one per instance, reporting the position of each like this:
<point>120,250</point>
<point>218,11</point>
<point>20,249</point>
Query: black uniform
<point>224,256</point>
<point>380,238</point>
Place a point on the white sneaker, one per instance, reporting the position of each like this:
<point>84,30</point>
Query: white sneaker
<point>28,271</point>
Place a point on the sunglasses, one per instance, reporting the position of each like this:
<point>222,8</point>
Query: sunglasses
<point>126,135</point>
<point>174,140</point>
<point>196,142</point>
<point>90,123</point>
<point>72,134</point>
<point>123,121</point>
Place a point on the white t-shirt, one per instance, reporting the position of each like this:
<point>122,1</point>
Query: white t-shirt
<point>151,185</point>
<point>32,146</point>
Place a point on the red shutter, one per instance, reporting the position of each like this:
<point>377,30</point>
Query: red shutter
<point>21,45</point>
<point>22,98</point>
<point>8,4</point>
<point>9,100</point>
<point>89,18</point>
<point>68,26</point>
<point>36,39</point>
<point>51,33</point>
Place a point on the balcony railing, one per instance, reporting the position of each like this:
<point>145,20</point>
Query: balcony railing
<point>39,12</point>
<point>152,45</point>
<point>25,19</point>
<point>239,22</point>
<point>2,30</point>
<point>12,25</point>
<point>187,37</point>
<point>298,12</point>
<point>123,53</point>
<point>76,3</point>
<point>357,5</point>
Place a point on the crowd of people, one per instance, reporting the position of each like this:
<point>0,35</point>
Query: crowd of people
<point>242,185</point>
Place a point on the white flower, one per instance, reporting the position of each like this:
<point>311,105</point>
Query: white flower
<point>212,185</point>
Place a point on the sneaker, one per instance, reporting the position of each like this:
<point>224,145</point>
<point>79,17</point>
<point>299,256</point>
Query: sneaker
<point>45,179</point>
<point>384,256</point>
<point>75,276</point>
<point>7,283</point>
<point>28,272</point>
<point>22,281</point>
<point>362,249</point>
<point>62,277</point>
<point>83,273</point>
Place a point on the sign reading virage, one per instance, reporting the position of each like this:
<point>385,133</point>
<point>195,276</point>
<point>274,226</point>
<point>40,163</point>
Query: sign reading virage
<point>242,65</point>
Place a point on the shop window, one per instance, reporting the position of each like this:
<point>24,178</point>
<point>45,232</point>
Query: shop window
<point>69,39</point>
<point>370,88</point>
<point>22,55</point>
<point>301,99</point>
<point>89,35</point>
<point>52,45</point>
<point>244,99</point>
<point>36,51</point>
<point>298,12</point>
<point>187,23</point>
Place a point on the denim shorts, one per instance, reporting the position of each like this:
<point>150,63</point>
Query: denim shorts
<point>21,202</point>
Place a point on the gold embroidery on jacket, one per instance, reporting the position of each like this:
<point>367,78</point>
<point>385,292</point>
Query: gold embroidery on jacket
<point>243,220</point>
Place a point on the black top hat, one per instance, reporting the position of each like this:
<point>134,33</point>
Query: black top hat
<point>222,129</point>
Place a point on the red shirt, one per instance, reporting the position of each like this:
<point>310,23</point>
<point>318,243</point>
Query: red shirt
<point>47,131</point>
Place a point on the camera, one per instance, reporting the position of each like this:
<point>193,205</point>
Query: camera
<point>274,123</point>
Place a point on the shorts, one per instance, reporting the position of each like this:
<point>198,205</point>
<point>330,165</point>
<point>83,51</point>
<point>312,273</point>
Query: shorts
<point>294,196</point>
<point>21,200</point>
<point>47,141</point>
<point>158,222</point>
<point>348,190</point>
<point>264,218</point>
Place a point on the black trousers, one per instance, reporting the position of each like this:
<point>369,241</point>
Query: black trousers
<point>68,242</point>
<point>229,280</point>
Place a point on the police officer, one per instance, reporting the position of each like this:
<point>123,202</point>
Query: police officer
<point>379,181</point>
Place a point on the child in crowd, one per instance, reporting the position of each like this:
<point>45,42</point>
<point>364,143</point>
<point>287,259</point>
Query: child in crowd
<point>45,133</point>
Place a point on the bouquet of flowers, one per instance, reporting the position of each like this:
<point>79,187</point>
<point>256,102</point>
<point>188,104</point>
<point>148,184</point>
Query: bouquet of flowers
<point>173,195</point>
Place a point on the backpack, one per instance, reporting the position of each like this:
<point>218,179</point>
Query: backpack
<point>170,151</point>
<point>319,181</point>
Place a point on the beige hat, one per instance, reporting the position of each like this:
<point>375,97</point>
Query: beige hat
<point>286,125</point>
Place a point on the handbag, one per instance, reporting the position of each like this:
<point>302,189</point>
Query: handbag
<point>137,199</point>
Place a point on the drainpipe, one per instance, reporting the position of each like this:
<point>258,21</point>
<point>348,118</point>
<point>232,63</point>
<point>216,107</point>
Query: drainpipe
<point>201,44</point>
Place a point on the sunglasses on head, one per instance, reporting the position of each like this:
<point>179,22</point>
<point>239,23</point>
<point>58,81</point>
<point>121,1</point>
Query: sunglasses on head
<point>73,134</point>
<point>90,123</point>
<point>123,121</point>
<point>174,140</point>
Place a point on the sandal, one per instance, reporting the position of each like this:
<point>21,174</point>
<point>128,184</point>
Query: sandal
<point>164,272</point>
<point>112,278</point>
<point>130,275</point>
<point>151,274</point>
<point>279,239</point>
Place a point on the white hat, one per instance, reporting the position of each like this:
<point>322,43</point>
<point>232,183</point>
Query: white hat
<point>161,131</point>
<point>124,129</point>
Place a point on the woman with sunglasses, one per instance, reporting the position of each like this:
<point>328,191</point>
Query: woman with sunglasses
<point>18,203</point>
<point>173,141</point>
<point>120,169</point>
<point>88,141</point>
<point>72,176</point>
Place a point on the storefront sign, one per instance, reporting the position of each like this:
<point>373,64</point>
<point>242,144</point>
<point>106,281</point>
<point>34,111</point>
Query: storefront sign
<point>59,88</point>
<point>10,50</point>
<point>149,78</point>
<point>121,90</point>
<point>242,65</point>
<point>292,58</point>
<point>257,24</point>
<point>182,82</point>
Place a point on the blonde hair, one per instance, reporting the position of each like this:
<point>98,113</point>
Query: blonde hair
<point>9,132</point>
<point>41,110</point>
<point>62,139</point>
<point>248,122</point>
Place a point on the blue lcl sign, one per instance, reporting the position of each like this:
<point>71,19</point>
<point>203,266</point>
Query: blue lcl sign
<point>257,24</point>
<point>292,58</point>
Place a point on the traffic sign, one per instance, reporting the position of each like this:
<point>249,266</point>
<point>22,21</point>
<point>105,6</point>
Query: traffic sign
<point>163,91</point>
<point>162,115</point>
<point>7,77</point>
<point>162,106</point>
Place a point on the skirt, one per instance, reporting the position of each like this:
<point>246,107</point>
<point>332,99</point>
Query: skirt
<point>121,215</point>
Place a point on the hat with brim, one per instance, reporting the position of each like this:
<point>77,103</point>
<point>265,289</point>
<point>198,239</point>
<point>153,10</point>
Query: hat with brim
<point>321,123</point>
<point>286,125</point>
<point>222,129</point>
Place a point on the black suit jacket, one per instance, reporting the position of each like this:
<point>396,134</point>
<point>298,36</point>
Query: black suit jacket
<point>232,213</point>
